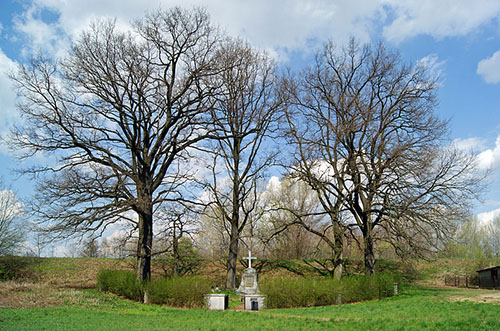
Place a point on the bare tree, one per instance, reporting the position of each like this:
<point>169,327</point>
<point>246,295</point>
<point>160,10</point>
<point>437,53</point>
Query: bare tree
<point>117,116</point>
<point>90,248</point>
<point>11,234</point>
<point>245,115</point>
<point>374,145</point>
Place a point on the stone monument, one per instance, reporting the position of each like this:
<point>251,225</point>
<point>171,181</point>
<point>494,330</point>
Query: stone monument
<point>248,283</point>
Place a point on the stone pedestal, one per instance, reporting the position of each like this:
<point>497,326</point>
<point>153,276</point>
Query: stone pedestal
<point>255,302</point>
<point>248,283</point>
<point>216,301</point>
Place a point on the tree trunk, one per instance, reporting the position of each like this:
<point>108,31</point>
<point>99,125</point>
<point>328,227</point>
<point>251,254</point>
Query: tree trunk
<point>339,268</point>
<point>235,220</point>
<point>338,237</point>
<point>175,249</point>
<point>232,258</point>
<point>369,256</point>
<point>144,245</point>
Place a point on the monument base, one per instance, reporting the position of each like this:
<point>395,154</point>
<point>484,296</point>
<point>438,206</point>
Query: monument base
<point>255,302</point>
<point>216,301</point>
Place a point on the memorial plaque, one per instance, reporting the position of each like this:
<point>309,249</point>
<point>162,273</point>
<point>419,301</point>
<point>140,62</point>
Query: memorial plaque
<point>248,281</point>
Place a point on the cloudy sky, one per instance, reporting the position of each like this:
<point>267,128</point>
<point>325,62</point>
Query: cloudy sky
<point>460,39</point>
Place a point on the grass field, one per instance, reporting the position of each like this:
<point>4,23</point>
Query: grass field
<point>416,309</point>
<point>59,296</point>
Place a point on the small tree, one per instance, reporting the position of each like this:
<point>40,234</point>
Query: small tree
<point>11,234</point>
<point>90,248</point>
<point>177,224</point>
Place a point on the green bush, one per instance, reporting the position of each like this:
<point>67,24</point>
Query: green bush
<point>359,288</point>
<point>17,267</point>
<point>176,291</point>
<point>299,292</point>
<point>307,292</point>
<point>120,282</point>
<point>179,291</point>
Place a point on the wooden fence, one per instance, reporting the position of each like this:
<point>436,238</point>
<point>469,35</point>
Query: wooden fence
<point>459,281</point>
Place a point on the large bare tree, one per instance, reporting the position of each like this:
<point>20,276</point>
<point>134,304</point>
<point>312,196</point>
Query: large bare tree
<point>375,147</point>
<point>245,115</point>
<point>114,119</point>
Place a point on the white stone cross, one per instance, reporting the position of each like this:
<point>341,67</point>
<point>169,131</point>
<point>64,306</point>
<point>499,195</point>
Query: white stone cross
<point>249,258</point>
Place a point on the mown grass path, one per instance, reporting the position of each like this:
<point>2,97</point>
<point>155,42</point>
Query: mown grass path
<point>415,309</point>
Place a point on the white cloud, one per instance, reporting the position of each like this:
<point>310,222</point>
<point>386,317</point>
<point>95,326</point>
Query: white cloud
<point>286,24</point>
<point>486,217</point>
<point>41,35</point>
<point>490,158</point>
<point>280,25</point>
<point>473,144</point>
<point>434,67</point>
<point>61,251</point>
<point>117,234</point>
<point>489,68</point>
<point>273,184</point>
<point>8,112</point>
<point>444,18</point>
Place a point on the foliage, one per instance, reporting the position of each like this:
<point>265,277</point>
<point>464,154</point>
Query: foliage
<point>17,267</point>
<point>473,240</point>
<point>307,292</point>
<point>174,291</point>
<point>185,261</point>
<point>120,282</point>
<point>179,291</point>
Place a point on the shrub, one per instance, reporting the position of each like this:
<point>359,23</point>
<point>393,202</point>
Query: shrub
<point>306,292</point>
<point>179,291</point>
<point>359,288</point>
<point>17,267</point>
<point>120,282</point>
<point>176,291</point>
<point>300,292</point>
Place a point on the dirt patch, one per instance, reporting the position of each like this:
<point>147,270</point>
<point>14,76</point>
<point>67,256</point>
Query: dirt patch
<point>493,297</point>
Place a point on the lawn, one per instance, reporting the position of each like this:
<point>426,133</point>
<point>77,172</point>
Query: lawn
<point>416,308</point>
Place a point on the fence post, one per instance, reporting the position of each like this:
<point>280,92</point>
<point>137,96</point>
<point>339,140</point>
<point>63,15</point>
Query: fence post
<point>395,289</point>
<point>339,299</point>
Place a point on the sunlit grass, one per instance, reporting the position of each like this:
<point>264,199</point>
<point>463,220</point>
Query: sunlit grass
<point>415,309</point>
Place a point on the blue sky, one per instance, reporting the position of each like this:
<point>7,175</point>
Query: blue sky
<point>460,39</point>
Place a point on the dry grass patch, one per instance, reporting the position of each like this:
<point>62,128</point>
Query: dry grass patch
<point>15,294</point>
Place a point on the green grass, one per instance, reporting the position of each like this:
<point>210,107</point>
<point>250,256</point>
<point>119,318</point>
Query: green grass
<point>415,309</point>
